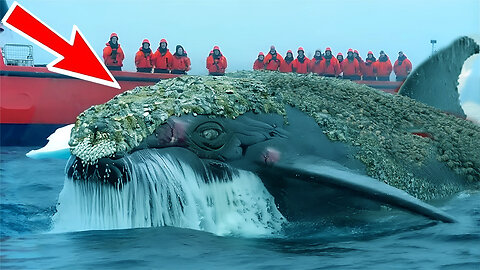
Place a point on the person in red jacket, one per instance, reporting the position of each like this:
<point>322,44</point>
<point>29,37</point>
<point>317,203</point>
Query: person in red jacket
<point>317,64</point>
<point>259,63</point>
<point>369,68</point>
<point>384,67</point>
<point>402,67</point>
<point>300,65</point>
<point>113,54</point>
<point>273,59</point>
<point>216,63</point>
<point>287,64</point>
<point>332,66</point>
<point>350,66</point>
<point>162,58</point>
<point>143,58</point>
<point>360,64</point>
<point>340,57</point>
<point>340,60</point>
<point>180,61</point>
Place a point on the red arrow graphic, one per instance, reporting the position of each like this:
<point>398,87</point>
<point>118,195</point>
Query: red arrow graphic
<point>75,58</point>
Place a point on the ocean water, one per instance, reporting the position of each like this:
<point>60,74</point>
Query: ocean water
<point>30,190</point>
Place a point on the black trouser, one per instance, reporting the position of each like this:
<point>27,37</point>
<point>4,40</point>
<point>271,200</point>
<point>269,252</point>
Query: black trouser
<point>216,74</point>
<point>118,68</point>
<point>145,70</point>
<point>383,78</point>
<point>369,78</point>
<point>401,78</point>
<point>176,71</point>
<point>329,75</point>
<point>161,70</point>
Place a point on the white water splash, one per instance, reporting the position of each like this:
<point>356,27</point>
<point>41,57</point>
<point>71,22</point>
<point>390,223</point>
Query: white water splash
<point>166,192</point>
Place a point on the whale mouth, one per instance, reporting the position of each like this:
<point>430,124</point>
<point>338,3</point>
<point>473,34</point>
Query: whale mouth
<point>106,170</point>
<point>165,187</point>
<point>97,161</point>
<point>116,171</point>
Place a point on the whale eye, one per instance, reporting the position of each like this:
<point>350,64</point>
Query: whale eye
<point>209,136</point>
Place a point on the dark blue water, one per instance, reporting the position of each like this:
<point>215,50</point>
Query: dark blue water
<point>29,190</point>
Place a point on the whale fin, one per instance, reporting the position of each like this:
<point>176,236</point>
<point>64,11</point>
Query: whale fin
<point>3,9</point>
<point>333,175</point>
<point>435,81</point>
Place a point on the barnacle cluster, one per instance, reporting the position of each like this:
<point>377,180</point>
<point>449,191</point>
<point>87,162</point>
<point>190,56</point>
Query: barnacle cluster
<point>133,115</point>
<point>379,125</point>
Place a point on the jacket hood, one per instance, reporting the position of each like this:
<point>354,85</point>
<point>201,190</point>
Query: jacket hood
<point>383,58</point>
<point>176,50</point>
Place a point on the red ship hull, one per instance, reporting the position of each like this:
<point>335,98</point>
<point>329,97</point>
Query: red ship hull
<point>34,101</point>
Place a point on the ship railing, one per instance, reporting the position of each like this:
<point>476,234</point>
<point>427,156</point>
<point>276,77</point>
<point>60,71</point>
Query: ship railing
<point>18,55</point>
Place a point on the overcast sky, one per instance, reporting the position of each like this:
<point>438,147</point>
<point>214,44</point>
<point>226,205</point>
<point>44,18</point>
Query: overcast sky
<point>243,28</point>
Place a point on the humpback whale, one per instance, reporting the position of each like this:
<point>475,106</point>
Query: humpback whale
<point>321,146</point>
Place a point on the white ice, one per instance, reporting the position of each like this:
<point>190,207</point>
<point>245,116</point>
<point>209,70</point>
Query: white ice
<point>57,146</point>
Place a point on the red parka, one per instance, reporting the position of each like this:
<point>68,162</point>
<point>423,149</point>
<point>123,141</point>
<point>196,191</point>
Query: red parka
<point>360,62</point>
<point>301,67</point>
<point>258,65</point>
<point>162,61</point>
<point>317,66</point>
<point>216,65</point>
<point>332,67</point>
<point>350,67</point>
<point>286,66</point>
<point>402,68</point>
<point>340,63</point>
<point>369,68</point>
<point>115,60</point>
<point>143,60</point>
<point>181,62</point>
<point>384,68</point>
<point>271,63</point>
